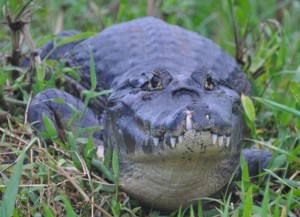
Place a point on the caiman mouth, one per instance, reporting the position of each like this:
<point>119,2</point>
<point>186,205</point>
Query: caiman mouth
<point>189,137</point>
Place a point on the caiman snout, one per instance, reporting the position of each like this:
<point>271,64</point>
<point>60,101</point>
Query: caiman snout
<point>195,119</point>
<point>184,117</point>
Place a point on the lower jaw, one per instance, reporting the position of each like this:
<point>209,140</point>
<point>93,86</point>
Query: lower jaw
<point>169,184</point>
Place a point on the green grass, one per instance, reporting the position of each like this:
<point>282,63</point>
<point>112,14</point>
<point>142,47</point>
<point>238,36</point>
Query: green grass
<point>61,182</point>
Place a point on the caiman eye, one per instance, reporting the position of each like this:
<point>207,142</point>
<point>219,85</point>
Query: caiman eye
<point>209,84</point>
<point>155,83</point>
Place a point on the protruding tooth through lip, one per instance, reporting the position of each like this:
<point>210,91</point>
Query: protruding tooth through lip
<point>173,142</point>
<point>155,141</point>
<point>220,140</point>
<point>227,141</point>
<point>180,139</point>
<point>214,138</point>
<point>188,122</point>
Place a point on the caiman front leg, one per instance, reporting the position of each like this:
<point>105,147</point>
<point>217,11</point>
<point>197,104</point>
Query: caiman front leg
<point>258,160</point>
<point>60,107</point>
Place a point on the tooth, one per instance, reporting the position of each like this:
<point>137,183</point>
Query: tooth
<point>180,139</point>
<point>227,141</point>
<point>173,142</point>
<point>220,140</point>
<point>156,141</point>
<point>100,153</point>
<point>214,138</point>
<point>145,143</point>
<point>188,122</point>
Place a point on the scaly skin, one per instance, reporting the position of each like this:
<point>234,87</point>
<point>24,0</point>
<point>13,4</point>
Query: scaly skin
<point>174,113</point>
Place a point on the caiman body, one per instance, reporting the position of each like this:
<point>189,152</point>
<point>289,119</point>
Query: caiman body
<point>173,114</point>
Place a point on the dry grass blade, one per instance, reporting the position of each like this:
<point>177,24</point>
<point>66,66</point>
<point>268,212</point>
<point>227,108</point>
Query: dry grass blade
<point>152,8</point>
<point>74,183</point>
<point>85,196</point>
<point>9,133</point>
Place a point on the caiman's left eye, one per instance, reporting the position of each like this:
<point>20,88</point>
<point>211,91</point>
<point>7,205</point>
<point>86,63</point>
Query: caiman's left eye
<point>209,84</point>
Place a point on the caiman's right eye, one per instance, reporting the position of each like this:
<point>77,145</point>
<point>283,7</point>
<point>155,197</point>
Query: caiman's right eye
<point>157,79</point>
<point>155,83</point>
<point>209,84</point>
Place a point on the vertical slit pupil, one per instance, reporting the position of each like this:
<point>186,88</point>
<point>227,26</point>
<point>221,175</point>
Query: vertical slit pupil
<point>209,80</point>
<point>209,83</point>
<point>155,81</point>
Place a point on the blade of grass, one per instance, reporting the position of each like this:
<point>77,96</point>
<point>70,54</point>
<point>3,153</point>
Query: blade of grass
<point>91,94</point>
<point>76,152</point>
<point>106,172</point>
<point>115,165</point>
<point>200,210</point>
<point>272,147</point>
<point>39,84</point>
<point>49,126</point>
<point>226,207</point>
<point>248,107</point>
<point>192,214</point>
<point>11,192</point>
<point>290,200</point>
<point>266,200</point>
<point>247,210</point>
<point>179,213</point>
<point>47,212</point>
<point>89,151</point>
<point>278,106</point>
<point>68,206</point>
<point>76,37</point>
<point>276,212</point>
<point>92,70</point>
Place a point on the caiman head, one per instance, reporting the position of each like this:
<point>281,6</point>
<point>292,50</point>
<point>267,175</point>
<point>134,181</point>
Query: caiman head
<point>178,135</point>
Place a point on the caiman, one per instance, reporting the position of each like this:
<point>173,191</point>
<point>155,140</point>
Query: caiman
<point>174,113</point>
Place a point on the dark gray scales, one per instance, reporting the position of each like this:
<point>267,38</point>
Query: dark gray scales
<point>174,112</point>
